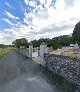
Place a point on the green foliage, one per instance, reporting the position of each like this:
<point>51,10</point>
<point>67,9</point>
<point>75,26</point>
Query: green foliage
<point>76,33</point>
<point>2,45</point>
<point>4,51</point>
<point>20,42</point>
<point>56,42</point>
<point>5,46</point>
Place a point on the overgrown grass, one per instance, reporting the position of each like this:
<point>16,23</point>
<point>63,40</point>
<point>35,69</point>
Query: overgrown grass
<point>68,52</point>
<point>22,54</point>
<point>4,51</point>
<point>62,84</point>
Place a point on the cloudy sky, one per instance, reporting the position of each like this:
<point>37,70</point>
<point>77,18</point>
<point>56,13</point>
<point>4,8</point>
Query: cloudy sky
<point>34,19</point>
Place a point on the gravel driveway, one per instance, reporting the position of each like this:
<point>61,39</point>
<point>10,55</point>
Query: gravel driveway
<point>20,75</point>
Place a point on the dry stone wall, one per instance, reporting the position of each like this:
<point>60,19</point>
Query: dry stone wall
<point>65,66</point>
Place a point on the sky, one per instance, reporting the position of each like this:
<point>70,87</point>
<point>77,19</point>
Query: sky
<point>35,19</point>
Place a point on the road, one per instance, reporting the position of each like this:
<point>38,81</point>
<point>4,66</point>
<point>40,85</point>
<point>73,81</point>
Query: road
<point>22,75</point>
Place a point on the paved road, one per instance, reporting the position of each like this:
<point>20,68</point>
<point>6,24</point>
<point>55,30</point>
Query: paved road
<point>20,75</point>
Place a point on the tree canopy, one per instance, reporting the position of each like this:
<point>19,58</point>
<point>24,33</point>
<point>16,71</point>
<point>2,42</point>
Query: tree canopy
<point>76,33</point>
<point>56,42</point>
<point>20,42</point>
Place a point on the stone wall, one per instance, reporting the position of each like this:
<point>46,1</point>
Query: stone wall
<point>65,66</point>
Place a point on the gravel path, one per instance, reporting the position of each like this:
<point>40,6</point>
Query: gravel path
<point>20,75</point>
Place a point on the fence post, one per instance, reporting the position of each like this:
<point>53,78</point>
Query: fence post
<point>30,50</point>
<point>42,52</point>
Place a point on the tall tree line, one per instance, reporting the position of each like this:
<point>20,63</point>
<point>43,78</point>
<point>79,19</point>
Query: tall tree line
<point>56,42</point>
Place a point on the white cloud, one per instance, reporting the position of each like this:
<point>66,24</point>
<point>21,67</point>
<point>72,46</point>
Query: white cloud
<point>8,5</point>
<point>8,21</point>
<point>6,38</point>
<point>28,18</point>
<point>32,4</point>
<point>57,15</point>
<point>42,1</point>
<point>10,15</point>
<point>45,22</point>
<point>26,1</point>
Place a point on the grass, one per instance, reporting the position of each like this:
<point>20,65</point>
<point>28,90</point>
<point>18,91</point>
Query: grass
<point>22,54</point>
<point>67,51</point>
<point>4,51</point>
<point>61,84</point>
<point>72,54</point>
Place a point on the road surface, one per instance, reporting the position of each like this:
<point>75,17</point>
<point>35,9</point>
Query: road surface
<point>20,75</point>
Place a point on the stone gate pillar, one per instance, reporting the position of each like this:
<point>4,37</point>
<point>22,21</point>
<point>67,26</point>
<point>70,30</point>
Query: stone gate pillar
<point>42,51</point>
<point>30,50</point>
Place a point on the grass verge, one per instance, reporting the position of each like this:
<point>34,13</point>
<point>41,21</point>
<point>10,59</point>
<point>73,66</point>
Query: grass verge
<point>25,56</point>
<point>4,51</point>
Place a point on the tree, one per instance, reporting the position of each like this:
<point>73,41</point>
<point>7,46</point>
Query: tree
<point>35,43</point>
<point>76,33</point>
<point>20,42</point>
<point>56,42</point>
<point>2,45</point>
